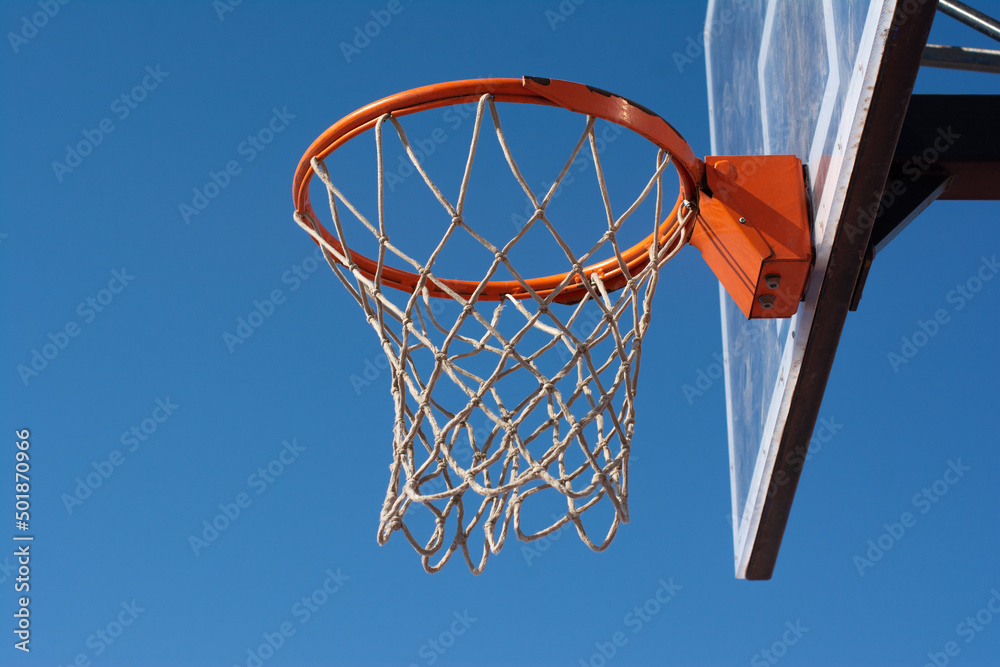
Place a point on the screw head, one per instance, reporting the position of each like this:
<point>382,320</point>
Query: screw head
<point>766,301</point>
<point>743,221</point>
<point>773,281</point>
<point>727,169</point>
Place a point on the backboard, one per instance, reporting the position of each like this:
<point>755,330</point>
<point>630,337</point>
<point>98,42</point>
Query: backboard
<point>828,81</point>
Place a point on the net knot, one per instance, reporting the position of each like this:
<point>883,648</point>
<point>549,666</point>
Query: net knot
<point>383,239</point>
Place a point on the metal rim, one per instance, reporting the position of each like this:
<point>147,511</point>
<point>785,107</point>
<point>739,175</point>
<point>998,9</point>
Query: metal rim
<point>529,90</point>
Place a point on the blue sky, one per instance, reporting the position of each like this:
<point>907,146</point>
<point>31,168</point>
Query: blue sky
<point>102,263</point>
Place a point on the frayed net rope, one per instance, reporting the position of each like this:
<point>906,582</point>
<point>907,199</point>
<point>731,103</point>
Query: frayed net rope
<point>565,428</point>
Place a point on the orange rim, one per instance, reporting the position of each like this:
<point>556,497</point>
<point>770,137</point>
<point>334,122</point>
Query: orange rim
<point>529,90</point>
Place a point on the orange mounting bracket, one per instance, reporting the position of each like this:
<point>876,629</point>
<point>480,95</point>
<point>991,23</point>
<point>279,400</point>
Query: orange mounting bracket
<point>753,231</point>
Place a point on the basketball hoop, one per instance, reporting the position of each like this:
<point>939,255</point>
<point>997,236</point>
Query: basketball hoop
<point>571,339</point>
<point>573,96</point>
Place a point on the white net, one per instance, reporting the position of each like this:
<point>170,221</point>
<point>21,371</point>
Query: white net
<point>511,403</point>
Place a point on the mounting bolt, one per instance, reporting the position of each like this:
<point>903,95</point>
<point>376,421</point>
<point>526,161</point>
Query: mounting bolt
<point>766,301</point>
<point>743,221</point>
<point>772,281</point>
